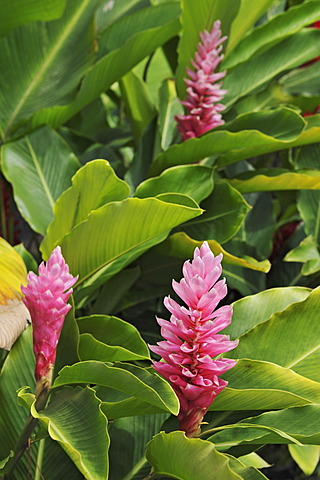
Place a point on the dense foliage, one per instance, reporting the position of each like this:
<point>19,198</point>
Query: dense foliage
<point>92,160</point>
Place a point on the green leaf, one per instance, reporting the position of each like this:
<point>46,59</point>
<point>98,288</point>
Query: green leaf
<point>292,425</point>
<point>247,472</point>
<point>257,385</point>
<point>195,18</point>
<point>68,346</point>
<point>169,107</point>
<point>111,67</point>
<point>94,185</point>
<point>51,61</point>
<point>193,180</point>
<point>77,409</point>
<point>249,135</point>
<point>111,249</point>
<point>290,338</point>
<point>254,460</point>
<point>27,257</point>
<point>129,407</point>
<point>306,252</point>
<point>16,372</point>
<point>139,382</point>
<point>47,164</point>
<point>306,456</point>
<point>270,32</point>
<point>19,12</point>
<point>182,246</point>
<point>302,81</point>
<point>173,454</point>
<point>221,220</point>
<point>137,100</point>
<point>251,311</point>
<point>246,17</point>
<point>110,339</point>
<point>309,208</point>
<point>276,179</point>
<point>130,435</point>
<point>5,460</point>
<point>262,68</point>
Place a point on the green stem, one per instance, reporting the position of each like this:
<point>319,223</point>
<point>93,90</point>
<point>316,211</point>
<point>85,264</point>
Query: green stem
<point>27,431</point>
<point>38,475</point>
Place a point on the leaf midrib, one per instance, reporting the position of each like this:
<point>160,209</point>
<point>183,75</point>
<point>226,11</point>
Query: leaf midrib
<point>46,64</point>
<point>40,173</point>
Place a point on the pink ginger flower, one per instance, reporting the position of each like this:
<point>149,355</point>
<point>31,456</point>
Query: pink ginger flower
<point>202,90</point>
<point>46,298</point>
<point>192,340</point>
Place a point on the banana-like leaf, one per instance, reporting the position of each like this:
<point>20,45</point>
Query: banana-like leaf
<point>169,107</point>
<point>276,179</point>
<point>173,454</point>
<point>271,32</point>
<point>195,18</point>
<point>247,136</point>
<point>293,425</point>
<point>308,206</point>
<point>130,379</point>
<point>48,164</point>
<point>246,17</point>
<point>306,456</point>
<point>247,472</point>
<point>93,185</point>
<point>50,64</point>
<point>19,12</point>
<point>138,103</point>
<point>117,233</point>
<point>257,385</point>
<point>249,312</point>
<point>75,409</point>
<point>262,68</point>
<point>110,339</point>
<point>110,68</point>
<point>16,372</point>
<point>306,252</point>
<point>195,181</point>
<point>182,246</point>
<point>122,433</point>
<point>222,219</point>
<point>290,338</point>
<point>302,81</point>
<point>13,313</point>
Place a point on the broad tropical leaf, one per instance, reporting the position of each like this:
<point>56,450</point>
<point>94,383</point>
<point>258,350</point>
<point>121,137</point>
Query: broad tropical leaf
<point>110,68</point>
<point>193,180</point>
<point>173,454</point>
<point>247,136</point>
<point>70,408</point>
<point>29,81</point>
<point>93,186</point>
<point>276,179</point>
<point>110,339</point>
<point>19,12</point>
<point>290,338</point>
<point>48,164</point>
<point>130,379</point>
<point>271,32</point>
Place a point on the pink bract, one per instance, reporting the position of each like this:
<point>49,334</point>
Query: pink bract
<point>192,338</point>
<point>46,298</point>
<point>203,87</point>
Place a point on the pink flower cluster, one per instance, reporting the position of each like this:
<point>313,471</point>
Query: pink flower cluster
<point>46,298</point>
<point>192,340</point>
<point>202,90</point>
